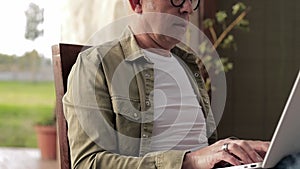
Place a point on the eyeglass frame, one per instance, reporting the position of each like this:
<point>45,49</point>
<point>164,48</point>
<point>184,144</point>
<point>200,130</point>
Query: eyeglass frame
<point>183,1</point>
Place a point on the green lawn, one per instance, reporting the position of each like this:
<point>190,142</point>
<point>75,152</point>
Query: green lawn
<point>22,104</point>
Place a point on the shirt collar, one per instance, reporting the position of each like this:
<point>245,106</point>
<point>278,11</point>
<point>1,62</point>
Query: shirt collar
<point>131,49</point>
<point>133,52</point>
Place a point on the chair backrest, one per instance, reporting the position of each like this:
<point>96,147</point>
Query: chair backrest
<point>63,57</point>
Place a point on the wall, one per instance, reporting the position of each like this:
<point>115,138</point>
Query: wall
<point>265,67</point>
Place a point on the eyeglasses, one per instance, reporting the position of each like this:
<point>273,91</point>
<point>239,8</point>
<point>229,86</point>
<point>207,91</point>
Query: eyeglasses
<point>179,3</point>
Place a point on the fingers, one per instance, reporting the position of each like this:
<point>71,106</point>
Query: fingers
<point>229,158</point>
<point>245,152</point>
<point>260,146</point>
<point>235,152</point>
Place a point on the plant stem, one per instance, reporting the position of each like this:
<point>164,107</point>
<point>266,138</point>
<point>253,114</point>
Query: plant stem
<point>213,33</point>
<point>230,27</point>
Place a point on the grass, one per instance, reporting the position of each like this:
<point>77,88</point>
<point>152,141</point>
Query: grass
<point>22,104</point>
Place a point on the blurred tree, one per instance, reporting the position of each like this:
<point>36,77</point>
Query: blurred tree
<point>35,17</point>
<point>7,62</point>
<point>29,61</point>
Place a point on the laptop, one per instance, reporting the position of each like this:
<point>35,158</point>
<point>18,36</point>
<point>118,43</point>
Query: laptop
<point>286,137</point>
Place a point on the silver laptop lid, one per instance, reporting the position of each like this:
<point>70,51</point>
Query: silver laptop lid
<point>286,137</point>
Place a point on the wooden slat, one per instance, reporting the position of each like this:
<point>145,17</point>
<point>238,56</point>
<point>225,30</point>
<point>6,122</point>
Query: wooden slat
<point>64,151</point>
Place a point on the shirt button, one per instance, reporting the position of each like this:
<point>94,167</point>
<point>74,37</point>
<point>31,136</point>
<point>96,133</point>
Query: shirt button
<point>196,74</point>
<point>145,136</point>
<point>135,115</point>
<point>147,103</point>
<point>147,75</point>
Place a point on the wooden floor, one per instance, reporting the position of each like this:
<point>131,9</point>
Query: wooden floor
<point>24,158</point>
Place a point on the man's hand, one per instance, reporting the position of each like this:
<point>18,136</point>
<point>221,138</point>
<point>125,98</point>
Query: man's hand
<point>235,152</point>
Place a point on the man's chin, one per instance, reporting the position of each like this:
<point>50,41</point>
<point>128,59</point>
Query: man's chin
<point>173,40</point>
<point>178,33</point>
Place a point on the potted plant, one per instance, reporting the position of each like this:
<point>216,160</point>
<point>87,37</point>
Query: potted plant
<point>46,137</point>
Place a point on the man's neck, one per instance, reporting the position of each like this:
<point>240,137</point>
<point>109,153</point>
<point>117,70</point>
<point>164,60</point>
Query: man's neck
<point>146,41</point>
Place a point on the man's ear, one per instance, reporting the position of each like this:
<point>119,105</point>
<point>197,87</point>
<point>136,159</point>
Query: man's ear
<point>136,6</point>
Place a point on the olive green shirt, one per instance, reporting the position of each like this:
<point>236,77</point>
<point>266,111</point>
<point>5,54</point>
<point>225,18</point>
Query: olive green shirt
<point>109,107</point>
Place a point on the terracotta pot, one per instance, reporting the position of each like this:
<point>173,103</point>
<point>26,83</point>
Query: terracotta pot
<point>46,138</point>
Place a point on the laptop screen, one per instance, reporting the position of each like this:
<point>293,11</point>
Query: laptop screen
<point>286,137</point>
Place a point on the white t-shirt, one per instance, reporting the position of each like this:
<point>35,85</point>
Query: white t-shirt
<point>179,123</point>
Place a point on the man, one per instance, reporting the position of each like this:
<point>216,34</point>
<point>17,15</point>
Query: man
<point>139,102</point>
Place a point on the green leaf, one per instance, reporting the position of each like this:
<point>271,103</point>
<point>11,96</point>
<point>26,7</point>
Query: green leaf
<point>238,7</point>
<point>244,22</point>
<point>207,61</point>
<point>227,65</point>
<point>228,41</point>
<point>207,58</point>
<point>208,23</point>
<point>243,25</point>
<point>203,47</point>
<point>46,121</point>
<point>221,16</point>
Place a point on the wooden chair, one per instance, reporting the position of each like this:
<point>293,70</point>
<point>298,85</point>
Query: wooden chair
<point>63,57</point>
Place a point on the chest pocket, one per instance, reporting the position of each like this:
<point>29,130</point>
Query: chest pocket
<point>127,108</point>
<point>125,96</point>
